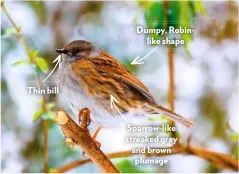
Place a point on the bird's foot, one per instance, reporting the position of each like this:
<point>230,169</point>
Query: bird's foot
<point>84,118</point>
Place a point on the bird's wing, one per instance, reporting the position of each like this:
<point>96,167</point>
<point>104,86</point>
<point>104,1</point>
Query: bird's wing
<point>90,69</point>
<point>109,66</point>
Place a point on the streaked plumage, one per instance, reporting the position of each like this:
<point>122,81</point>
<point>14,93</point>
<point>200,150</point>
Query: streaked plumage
<point>88,76</point>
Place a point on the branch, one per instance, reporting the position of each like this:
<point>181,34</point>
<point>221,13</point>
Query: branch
<point>218,159</point>
<point>77,163</point>
<point>171,91</point>
<point>81,136</point>
<point>175,150</point>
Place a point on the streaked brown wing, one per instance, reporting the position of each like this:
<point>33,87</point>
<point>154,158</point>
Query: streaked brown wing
<point>94,83</point>
<point>111,67</point>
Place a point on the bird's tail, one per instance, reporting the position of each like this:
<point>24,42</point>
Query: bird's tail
<point>173,116</point>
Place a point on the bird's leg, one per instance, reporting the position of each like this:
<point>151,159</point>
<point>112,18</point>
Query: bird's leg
<point>84,121</point>
<point>84,118</point>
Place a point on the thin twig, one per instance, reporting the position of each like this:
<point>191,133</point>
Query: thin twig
<point>220,160</point>
<point>171,91</point>
<point>23,41</point>
<point>31,60</point>
<point>123,154</point>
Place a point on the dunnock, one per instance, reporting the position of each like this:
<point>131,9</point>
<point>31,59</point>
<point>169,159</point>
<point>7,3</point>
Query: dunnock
<point>88,77</point>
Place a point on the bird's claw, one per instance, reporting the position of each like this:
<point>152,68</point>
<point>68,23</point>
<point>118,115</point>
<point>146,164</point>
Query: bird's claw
<point>84,117</point>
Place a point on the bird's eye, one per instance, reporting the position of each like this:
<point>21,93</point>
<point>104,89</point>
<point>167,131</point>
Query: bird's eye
<point>75,50</point>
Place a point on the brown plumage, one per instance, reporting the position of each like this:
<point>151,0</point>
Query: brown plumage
<point>89,76</point>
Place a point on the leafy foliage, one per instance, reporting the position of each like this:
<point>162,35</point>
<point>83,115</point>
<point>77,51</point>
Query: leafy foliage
<point>155,17</point>
<point>37,115</point>
<point>162,15</point>
<point>128,66</point>
<point>33,53</point>
<point>42,64</point>
<point>48,113</point>
<point>21,62</point>
<point>13,30</point>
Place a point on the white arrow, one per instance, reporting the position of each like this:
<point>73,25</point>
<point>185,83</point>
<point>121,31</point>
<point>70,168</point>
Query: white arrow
<point>112,103</point>
<point>138,62</point>
<point>58,60</point>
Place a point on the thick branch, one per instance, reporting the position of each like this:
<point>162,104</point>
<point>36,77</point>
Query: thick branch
<point>77,163</point>
<point>81,136</point>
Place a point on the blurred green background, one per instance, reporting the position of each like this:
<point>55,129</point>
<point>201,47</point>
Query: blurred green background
<point>206,74</point>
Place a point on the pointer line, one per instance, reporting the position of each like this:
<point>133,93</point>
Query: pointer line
<point>119,111</point>
<point>148,54</point>
<point>51,71</point>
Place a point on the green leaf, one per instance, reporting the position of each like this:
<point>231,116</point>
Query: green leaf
<point>192,9</point>
<point>145,4</point>
<point>128,66</point>
<point>173,14</point>
<point>187,37</point>
<point>126,166</point>
<point>48,115</point>
<point>52,170</point>
<point>163,117</point>
<point>21,62</point>
<point>185,21</point>
<point>33,53</point>
<point>51,115</point>
<point>42,64</point>
<point>184,14</point>
<point>178,135</point>
<point>50,106</point>
<point>37,115</point>
<point>40,9</point>
<point>37,69</point>
<point>235,152</point>
<point>234,136</point>
<point>151,119</point>
<point>13,30</point>
<point>199,7</point>
<point>155,17</point>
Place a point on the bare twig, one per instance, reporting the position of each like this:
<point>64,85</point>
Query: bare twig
<point>81,136</point>
<point>23,41</point>
<point>218,159</point>
<point>69,166</point>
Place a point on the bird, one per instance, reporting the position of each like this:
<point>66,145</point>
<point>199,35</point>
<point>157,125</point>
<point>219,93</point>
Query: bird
<point>89,76</point>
